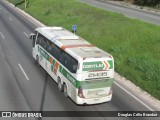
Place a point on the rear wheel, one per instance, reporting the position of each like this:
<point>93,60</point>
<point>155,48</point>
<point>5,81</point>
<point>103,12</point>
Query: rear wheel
<point>65,90</point>
<point>60,87</point>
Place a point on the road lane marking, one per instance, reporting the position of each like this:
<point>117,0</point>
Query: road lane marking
<point>26,34</point>
<point>134,96</point>
<point>23,71</point>
<point>2,35</point>
<point>27,16</point>
<point>10,19</point>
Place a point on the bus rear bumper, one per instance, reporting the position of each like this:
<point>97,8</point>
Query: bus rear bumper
<point>90,101</point>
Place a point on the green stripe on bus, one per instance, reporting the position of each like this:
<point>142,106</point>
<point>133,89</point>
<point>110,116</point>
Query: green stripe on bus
<point>92,84</point>
<point>43,53</point>
<point>110,63</point>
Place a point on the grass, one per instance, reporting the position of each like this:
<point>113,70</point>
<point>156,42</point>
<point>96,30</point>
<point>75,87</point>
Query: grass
<point>135,45</point>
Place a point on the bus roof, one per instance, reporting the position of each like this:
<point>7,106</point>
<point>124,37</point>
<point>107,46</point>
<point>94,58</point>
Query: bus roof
<point>71,43</point>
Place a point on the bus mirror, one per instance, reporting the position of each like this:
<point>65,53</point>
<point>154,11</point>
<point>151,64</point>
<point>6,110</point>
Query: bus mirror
<point>32,36</point>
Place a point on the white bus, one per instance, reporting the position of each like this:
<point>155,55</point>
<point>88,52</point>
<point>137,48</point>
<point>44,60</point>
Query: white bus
<point>82,71</point>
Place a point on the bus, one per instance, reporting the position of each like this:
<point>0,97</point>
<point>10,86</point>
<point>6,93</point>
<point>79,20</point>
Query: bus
<point>81,70</point>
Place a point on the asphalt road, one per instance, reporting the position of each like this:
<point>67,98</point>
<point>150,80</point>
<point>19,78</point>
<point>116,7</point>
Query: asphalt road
<point>35,90</point>
<point>129,12</point>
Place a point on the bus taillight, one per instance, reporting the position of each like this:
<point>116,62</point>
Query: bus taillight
<point>111,57</point>
<point>80,92</point>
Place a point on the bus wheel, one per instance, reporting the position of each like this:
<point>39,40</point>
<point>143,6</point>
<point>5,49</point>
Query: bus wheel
<point>65,90</point>
<point>37,60</point>
<point>60,87</point>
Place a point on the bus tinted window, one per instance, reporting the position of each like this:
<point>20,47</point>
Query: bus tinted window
<point>64,58</point>
<point>39,39</point>
<point>55,51</point>
<point>49,46</point>
<point>70,63</point>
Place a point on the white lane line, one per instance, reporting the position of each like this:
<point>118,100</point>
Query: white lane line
<point>26,34</point>
<point>10,19</point>
<point>2,35</point>
<point>134,96</point>
<point>23,71</point>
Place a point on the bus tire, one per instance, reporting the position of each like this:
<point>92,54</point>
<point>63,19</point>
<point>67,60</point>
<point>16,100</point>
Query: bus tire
<point>65,90</point>
<point>37,60</point>
<point>60,86</point>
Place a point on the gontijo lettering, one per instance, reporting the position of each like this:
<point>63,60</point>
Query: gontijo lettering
<point>99,65</point>
<point>94,66</point>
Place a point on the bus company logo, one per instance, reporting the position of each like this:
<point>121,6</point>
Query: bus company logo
<point>93,66</point>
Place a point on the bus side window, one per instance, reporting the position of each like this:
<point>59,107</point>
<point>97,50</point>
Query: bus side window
<point>43,42</point>
<point>62,56</point>
<point>39,39</point>
<point>58,53</point>
<point>54,51</point>
<point>70,63</point>
<point>49,47</point>
<point>67,61</point>
<point>74,65</point>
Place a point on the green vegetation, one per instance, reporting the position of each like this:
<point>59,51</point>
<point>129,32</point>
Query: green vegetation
<point>135,45</point>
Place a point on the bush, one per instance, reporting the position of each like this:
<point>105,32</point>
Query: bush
<point>152,3</point>
<point>147,2</point>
